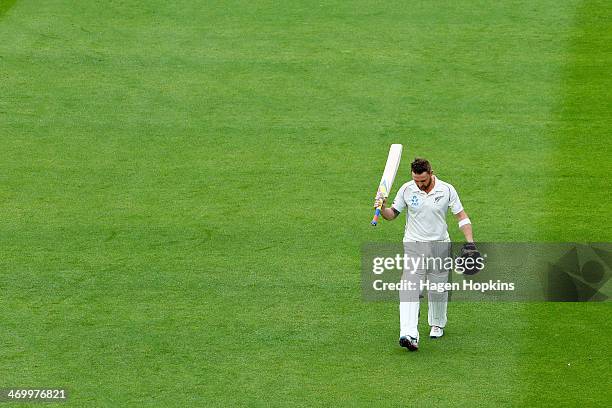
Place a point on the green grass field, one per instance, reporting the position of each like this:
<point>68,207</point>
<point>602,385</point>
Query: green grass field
<point>184,188</point>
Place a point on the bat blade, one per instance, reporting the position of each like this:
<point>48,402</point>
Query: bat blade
<point>386,182</point>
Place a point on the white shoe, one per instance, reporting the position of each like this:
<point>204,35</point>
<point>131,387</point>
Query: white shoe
<point>436,332</point>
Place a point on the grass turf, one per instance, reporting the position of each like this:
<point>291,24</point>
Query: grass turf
<point>184,189</point>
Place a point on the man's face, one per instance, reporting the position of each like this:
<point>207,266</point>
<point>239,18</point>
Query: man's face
<point>423,180</point>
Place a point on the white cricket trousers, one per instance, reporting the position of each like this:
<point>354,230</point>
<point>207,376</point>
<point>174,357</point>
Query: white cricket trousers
<point>428,265</point>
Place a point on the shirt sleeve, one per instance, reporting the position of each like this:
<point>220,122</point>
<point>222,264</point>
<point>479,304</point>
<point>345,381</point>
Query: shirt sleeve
<point>454,203</point>
<point>399,203</point>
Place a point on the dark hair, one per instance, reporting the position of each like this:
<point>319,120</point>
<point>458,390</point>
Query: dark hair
<point>420,165</point>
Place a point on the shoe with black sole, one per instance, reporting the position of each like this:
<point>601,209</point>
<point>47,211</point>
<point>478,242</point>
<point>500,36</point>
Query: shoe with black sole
<point>410,343</point>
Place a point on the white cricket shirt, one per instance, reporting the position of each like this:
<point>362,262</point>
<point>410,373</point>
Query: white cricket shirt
<point>426,212</point>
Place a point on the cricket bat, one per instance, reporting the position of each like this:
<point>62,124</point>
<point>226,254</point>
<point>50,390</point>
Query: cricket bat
<point>384,188</point>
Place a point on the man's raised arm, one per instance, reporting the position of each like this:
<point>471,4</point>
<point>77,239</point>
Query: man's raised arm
<point>388,213</point>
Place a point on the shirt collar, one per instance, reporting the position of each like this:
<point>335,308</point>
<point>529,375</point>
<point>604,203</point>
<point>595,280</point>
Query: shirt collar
<point>438,187</point>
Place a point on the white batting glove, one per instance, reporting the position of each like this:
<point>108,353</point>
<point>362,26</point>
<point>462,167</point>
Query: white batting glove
<point>379,201</point>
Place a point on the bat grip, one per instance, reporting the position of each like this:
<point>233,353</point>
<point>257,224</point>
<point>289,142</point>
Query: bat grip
<point>376,215</point>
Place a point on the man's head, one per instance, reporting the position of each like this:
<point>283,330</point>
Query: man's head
<point>422,173</point>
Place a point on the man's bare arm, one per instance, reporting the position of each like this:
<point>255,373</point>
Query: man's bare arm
<point>466,228</point>
<point>388,213</point>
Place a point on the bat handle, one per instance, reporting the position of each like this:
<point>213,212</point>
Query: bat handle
<point>376,215</point>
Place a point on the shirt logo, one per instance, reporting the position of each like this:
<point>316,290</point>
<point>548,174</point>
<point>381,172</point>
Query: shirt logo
<point>437,199</point>
<point>414,201</point>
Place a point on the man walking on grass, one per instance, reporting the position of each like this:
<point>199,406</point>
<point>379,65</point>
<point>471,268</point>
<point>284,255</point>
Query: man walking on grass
<point>426,200</point>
